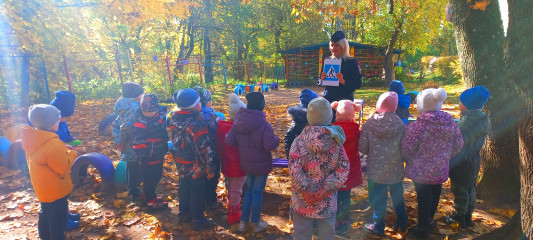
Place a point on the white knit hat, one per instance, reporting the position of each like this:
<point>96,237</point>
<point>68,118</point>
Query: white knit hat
<point>430,99</point>
<point>234,105</point>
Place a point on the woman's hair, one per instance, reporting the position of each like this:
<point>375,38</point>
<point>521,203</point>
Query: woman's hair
<point>345,48</point>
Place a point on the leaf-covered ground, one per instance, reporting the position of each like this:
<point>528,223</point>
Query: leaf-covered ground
<point>113,216</point>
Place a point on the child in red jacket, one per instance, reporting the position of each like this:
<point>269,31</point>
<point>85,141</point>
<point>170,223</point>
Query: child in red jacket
<point>229,160</point>
<point>345,117</point>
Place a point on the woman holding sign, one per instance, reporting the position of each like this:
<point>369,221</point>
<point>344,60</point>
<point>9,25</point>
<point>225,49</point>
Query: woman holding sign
<point>349,77</point>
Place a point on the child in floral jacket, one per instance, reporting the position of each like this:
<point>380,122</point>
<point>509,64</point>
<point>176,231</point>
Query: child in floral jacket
<point>318,167</point>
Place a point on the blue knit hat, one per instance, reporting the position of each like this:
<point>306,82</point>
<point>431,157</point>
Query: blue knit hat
<point>306,96</point>
<point>186,98</point>
<point>396,86</point>
<point>65,102</point>
<point>475,98</point>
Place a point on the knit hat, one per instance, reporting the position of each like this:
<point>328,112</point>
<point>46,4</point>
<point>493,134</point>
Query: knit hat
<point>475,98</point>
<point>346,110</point>
<point>338,35</point>
<point>306,96</point>
<point>234,105</point>
<point>256,101</point>
<point>65,102</point>
<point>205,95</point>
<point>319,112</point>
<point>387,102</point>
<point>131,90</point>
<point>397,86</point>
<point>149,103</point>
<point>430,99</point>
<point>43,116</point>
<point>186,98</point>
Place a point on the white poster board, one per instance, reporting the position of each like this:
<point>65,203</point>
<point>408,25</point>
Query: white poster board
<point>331,68</point>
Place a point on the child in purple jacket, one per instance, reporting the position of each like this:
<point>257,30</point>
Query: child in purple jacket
<point>428,145</point>
<point>255,139</point>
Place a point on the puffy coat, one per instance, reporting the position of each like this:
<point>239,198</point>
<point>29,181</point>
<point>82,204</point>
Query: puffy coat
<point>299,122</point>
<point>228,155</point>
<point>351,146</point>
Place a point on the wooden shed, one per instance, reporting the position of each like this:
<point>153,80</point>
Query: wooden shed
<point>303,65</point>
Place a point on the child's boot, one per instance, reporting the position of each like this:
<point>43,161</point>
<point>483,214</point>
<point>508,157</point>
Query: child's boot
<point>73,216</point>
<point>454,218</point>
<point>234,214</point>
<point>468,220</point>
<point>156,204</point>
<point>71,225</point>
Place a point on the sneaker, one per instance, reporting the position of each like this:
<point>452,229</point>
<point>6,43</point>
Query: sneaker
<point>73,216</point>
<point>454,218</point>
<point>371,228</point>
<point>243,225</point>
<point>156,204</point>
<point>260,226</point>
<point>202,224</point>
<point>71,225</point>
<point>184,218</point>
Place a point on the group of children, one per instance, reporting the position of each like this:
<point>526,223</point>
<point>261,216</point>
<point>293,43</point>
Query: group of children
<point>322,144</point>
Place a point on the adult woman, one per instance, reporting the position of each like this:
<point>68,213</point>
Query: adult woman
<point>350,75</point>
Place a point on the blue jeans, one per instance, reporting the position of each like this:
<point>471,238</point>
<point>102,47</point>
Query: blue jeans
<point>253,198</point>
<point>377,194</point>
<point>303,227</point>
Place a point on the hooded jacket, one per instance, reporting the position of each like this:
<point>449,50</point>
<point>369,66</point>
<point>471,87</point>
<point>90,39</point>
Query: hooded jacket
<point>126,109</point>
<point>299,122</point>
<point>318,161</point>
<point>228,155</point>
<point>464,167</point>
<point>380,140</point>
<point>351,131</point>
<point>49,163</point>
<point>428,145</point>
<point>150,136</point>
<point>255,139</point>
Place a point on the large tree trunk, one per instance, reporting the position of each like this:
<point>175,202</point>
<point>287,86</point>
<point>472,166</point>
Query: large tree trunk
<point>25,81</point>
<point>207,43</point>
<point>519,59</point>
<point>388,63</point>
<point>479,36</point>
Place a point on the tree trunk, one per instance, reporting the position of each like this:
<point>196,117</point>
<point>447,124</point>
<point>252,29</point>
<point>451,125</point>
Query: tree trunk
<point>25,81</point>
<point>388,63</point>
<point>518,58</point>
<point>479,36</point>
<point>511,230</point>
<point>207,43</point>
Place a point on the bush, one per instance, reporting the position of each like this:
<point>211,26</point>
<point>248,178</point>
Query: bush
<point>430,84</point>
<point>373,82</point>
<point>457,70</point>
<point>444,66</point>
<point>400,74</point>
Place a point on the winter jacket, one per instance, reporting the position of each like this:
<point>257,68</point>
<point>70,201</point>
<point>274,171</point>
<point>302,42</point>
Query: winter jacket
<point>126,109</point>
<point>352,76</point>
<point>255,139</point>
<point>150,137</point>
<point>351,131</point>
<point>299,122</point>
<point>192,143</point>
<point>228,155</point>
<point>49,163</point>
<point>64,133</point>
<point>317,161</point>
<point>464,167</point>
<point>428,145</point>
<point>404,102</point>
<point>380,140</point>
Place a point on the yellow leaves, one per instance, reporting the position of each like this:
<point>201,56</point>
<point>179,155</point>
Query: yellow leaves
<point>481,5</point>
<point>508,213</point>
<point>118,203</point>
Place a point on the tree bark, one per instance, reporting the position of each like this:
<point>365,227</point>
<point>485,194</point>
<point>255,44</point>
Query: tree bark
<point>479,36</point>
<point>388,63</point>
<point>207,43</point>
<point>25,81</point>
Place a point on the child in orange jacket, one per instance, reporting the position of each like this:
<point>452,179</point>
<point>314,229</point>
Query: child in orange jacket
<point>49,163</point>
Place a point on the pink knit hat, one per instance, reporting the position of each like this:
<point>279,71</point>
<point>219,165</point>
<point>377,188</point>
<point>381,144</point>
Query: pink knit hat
<point>387,102</point>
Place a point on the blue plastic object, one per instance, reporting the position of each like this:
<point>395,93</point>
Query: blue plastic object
<point>99,161</point>
<point>120,173</point>
<point>4,147</point>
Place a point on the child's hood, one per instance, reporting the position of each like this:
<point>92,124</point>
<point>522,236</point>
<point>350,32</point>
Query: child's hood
<point>386,125</point>
<point>298,113</point>
<point>404,100</point>
<point>440,118</point>
<point>320,139</point>
<point>33,139</point>
<point>248,120</point>
<point>123,104</point>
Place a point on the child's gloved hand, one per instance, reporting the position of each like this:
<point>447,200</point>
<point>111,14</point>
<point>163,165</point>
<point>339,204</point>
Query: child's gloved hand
<point>75,143</point>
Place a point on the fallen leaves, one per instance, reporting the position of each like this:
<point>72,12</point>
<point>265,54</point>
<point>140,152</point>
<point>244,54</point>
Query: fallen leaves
<point>480,5</point>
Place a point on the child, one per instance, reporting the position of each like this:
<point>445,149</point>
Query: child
<point>126,108</point>
<point>464,168</point>
<point>65,102</point>
<point>318,167</point>
<point>299,118</point>
<point>428,145</point>
<point>229,159</point>
<point>404,100</point>
<point>210,119</point>
<point>345,117</point>
<point>150,145</point>
<point>255,139</point>
<point>194,157</point>
<point>380,140</point>
<point>49,163</point>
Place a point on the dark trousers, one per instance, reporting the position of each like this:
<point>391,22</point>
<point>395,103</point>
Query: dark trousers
<point>191,196</point>
<point>151,175</point>
<point>134,176</point>
<point>464,199</point>
<point>53,219</point>
<point>428,196</point>
<point>343,207</point>
<point>211,185</point>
